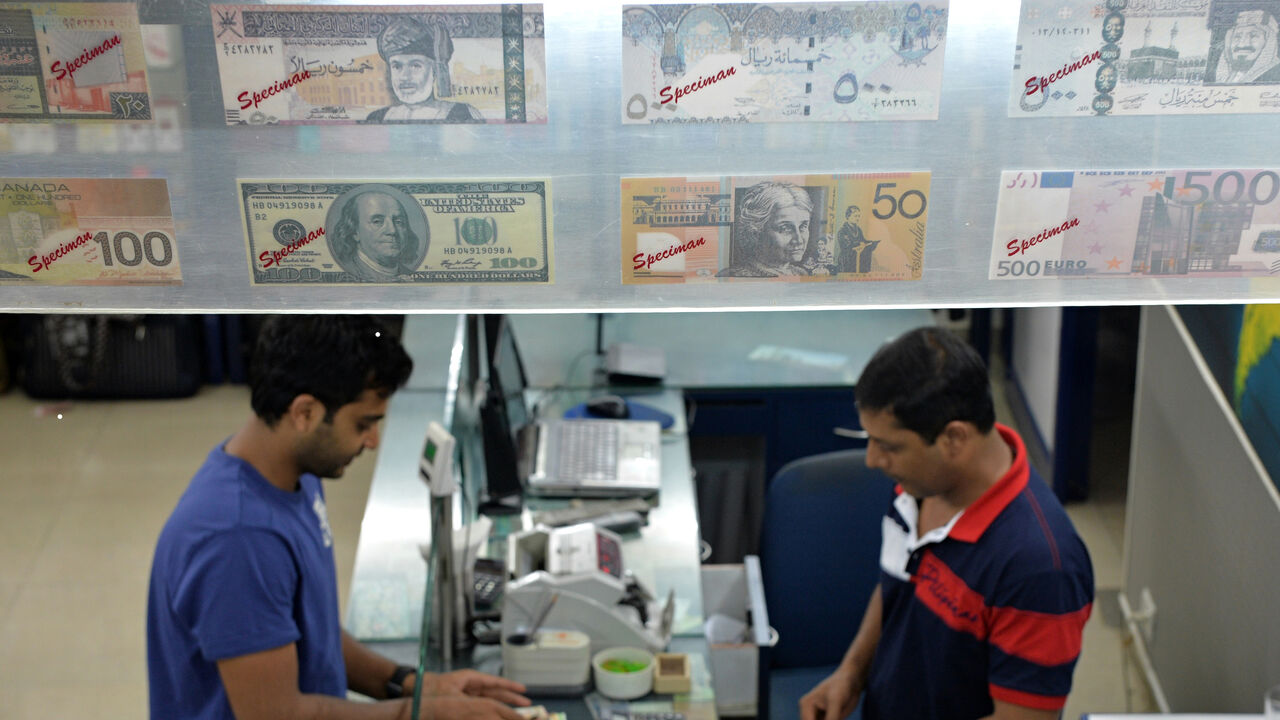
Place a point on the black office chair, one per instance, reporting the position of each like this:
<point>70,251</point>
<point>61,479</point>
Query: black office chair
<point>820,558</point>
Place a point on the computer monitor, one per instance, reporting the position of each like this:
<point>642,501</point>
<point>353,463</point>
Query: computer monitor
<point>502,414</point>
<point>506,371</point>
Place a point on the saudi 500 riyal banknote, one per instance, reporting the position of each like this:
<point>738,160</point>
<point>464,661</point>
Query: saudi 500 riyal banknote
<point>1146,57</point>
<point>782,62</point>
<point>334,64</point>
<point>1164,223</point>
<point>78,231</point>
<point>784,228</point>
<point>325,232</point>
<point>72,61</point>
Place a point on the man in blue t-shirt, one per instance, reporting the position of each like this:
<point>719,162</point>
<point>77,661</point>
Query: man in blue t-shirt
<point>985,586</point>
<point>242,612</point>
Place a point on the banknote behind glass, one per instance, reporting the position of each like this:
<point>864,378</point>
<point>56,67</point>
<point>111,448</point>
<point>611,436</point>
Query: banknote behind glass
<point>335,65</point>
<point>323,232</point>
<point>1146,57</point>
<point>77,231</point>
<point>758,62</point>
<point>72,61</point>
<point>1153,223</point>
<point>785,228</point>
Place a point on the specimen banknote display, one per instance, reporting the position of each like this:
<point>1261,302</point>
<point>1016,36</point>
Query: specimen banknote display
<point>1180,223</point>
<point>72,61</point>
<point>1146,57</point>
<point>75,231</point>
<point>791,228</point>
<point>335,64</point>
<point>326,232</point>
<point>792,62</point>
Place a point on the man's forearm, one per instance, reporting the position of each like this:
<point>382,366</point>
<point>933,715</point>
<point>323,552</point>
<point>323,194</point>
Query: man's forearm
<point>367,671</point>
<point>324,707</point>
<point>857,661</point>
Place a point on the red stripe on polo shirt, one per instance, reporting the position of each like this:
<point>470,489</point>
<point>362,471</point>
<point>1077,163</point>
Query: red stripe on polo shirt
<point>1042,638</point>
<point>1026,699</point>
<point>979,515</point>
<point>949,598</point>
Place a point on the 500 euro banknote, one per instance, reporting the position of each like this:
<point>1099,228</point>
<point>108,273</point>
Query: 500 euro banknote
<point>1137,223</point>
<point>792,62</point>
<point>334,65</point>
<point>327,232</point>
<point>784,228</point>
<point>72,61</point>
<point>1146,57</point>
<point>76,231</point>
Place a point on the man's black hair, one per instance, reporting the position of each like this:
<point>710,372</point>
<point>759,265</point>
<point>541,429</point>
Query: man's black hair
<point>332,357</point>
<point>927,378</point>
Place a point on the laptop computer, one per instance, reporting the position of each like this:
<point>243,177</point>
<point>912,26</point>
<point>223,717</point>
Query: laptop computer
<point>572,458</point>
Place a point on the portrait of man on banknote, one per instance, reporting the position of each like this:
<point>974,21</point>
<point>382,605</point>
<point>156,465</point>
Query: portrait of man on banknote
<point>1250,53</point>
<point>417,57</point>
<point>372,235</point>
<point>771,233</point>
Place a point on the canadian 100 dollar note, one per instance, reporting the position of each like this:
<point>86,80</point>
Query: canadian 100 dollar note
<point>346,64</point>
<point>785,228</point>
<point>1146,57</point>
<point>325,232</point>
<point>1155,223</point>
<point>87,231</point>
<point>72,61</point>
<point>783,62</point>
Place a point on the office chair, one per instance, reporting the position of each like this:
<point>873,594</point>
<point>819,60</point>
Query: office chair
<point>820,558</point>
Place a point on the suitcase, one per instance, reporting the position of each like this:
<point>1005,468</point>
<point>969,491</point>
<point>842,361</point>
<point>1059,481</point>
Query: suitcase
<point>111,356</point>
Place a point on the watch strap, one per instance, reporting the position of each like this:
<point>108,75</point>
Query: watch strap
<point>395,686</point>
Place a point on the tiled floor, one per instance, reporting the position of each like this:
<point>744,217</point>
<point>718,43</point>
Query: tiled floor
<point>83,498</point>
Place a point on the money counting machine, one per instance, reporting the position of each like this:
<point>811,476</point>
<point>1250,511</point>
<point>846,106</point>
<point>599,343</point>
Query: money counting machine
<point>571,579</point>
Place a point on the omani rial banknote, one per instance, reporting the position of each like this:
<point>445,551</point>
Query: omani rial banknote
<point>782,62</point>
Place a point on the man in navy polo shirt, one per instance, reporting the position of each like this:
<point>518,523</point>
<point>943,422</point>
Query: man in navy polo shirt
<point>242,613</point>
<point>984,585</point>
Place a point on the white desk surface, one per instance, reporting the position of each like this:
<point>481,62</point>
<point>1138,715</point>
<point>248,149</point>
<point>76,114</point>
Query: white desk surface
<point>1186,716</point>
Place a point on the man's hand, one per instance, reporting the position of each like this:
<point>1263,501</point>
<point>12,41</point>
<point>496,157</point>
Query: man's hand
<point>475,684</point>
<point>833,698</point>
<point>462,707</point>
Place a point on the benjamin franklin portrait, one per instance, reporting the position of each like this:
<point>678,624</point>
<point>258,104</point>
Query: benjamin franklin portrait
<point>377,233</point>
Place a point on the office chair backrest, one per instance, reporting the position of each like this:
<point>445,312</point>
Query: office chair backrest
<point>820,553</point>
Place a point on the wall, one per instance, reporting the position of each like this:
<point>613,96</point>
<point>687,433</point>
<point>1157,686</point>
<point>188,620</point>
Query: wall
<point>1203,522</point>
<point>1036,336</point>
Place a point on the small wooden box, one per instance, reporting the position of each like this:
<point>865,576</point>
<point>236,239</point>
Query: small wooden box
<point>671,674</point>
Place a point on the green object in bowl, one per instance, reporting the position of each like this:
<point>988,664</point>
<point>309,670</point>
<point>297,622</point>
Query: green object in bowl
<point>623,666</point>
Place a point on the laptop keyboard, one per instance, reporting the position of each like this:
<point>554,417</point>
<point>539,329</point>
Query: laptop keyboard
<point>588,451</point>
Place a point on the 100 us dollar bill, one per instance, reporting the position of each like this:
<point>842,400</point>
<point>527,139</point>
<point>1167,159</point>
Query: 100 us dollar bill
<point>390,64</point>
<point>79,231</point>
<point>792,62</point>
<point>1146,57</point>
<point>1137,223</point>
<point>72,61</point>
<point>326,232</point>
<point>783,228</point>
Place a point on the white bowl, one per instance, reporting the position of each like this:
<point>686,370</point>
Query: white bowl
<point>623,686</point>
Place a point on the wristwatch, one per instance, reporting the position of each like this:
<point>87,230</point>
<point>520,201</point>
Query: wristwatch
<point>395,686</point>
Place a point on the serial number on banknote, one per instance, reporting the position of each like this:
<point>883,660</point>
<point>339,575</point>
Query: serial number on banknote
<point>285,205</point>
